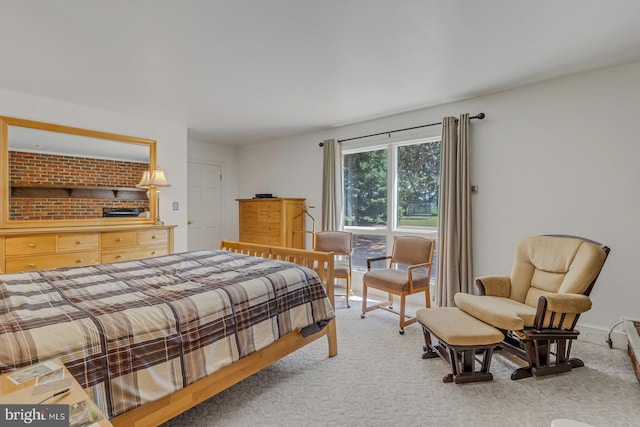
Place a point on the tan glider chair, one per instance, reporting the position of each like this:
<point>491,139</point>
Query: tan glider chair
<point>403,277</point>
<point>341,244</point>
<point>537,306</point>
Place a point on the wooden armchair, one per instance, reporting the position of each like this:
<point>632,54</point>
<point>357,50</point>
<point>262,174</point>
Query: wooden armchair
<point>402,277</point>
<point>538,305</point>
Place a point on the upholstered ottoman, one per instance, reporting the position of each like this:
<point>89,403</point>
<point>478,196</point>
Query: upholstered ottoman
<point>460,338</point>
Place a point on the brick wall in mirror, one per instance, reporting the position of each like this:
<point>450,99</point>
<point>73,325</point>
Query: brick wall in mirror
<point>60,175</point>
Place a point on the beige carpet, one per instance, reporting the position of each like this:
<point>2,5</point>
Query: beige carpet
<point>379,379</point>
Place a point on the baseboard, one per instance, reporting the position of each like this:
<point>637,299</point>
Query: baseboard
<point>599,336</point>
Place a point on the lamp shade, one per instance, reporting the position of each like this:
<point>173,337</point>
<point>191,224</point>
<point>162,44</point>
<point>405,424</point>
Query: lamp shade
<point>158,179</point>
<point>145,181</point>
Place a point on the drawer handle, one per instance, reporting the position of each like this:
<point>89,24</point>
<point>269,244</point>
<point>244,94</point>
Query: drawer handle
<point>32,265</point>
<point>32,245</point>
<point>153,252</point>
<point>80,260</point>
<point>79,242</point>
<point>119,239</point>
<point>118,256</point>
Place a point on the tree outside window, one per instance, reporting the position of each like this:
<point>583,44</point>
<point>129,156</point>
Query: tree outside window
<point>418,184</point>
<point>390,191</point>
<point>365,188</point>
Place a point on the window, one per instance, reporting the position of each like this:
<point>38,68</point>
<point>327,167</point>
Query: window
<point>365,188</point>
<point>418,182</point>
<point>390,190</point>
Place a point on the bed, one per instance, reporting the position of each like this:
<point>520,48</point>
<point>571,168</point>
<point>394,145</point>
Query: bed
<point>149,339</point>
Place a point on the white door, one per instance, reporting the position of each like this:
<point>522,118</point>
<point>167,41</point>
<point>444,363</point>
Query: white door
<point>204,210</point>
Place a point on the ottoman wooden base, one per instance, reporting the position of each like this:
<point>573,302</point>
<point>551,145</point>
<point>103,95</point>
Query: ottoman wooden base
<point>461,338</point>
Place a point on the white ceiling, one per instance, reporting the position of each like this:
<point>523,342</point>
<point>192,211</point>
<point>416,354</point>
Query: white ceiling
<point>245,71</point>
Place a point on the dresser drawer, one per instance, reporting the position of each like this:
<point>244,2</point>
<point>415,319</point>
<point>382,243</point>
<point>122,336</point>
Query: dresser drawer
<point>115,255</point>
<point>78,242</point>
<point>44,262</point>
<point>36,244</point>
<point>119,239</point>
<point>153,237</point>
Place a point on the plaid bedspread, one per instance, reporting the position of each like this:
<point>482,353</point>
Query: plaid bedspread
<point>133,332</point>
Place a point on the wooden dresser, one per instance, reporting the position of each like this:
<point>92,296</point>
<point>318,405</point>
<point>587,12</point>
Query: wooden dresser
<point>274,221</point>
<point>51,247</point>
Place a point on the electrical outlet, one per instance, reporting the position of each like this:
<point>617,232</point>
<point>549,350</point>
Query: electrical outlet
<point>176,206</point>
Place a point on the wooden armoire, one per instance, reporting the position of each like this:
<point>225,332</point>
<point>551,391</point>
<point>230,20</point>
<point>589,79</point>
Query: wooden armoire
<point>273,221</point>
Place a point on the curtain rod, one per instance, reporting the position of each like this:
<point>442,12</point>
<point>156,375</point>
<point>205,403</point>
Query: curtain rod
<point>479,116</point>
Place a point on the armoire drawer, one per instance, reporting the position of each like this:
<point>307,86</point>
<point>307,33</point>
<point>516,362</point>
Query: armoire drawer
<point>269,217</point>
<point>261,239</point>
<point>260,228</point>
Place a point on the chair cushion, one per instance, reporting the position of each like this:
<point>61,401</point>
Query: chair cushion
<point>503,313</point>
<point>546,265</point>
<point>338,242</point>
<point>393,279</point>
<point>411,250</point>
<point>340,269</point>
<point>455,327</point>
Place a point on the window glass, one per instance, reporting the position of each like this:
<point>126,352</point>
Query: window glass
<point>365,188</point>
<point>368,246</point>
<point>390,190</point>
<point>418,183</point>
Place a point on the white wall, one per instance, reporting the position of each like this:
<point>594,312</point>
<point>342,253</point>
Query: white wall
<point>554,157</point>
<point>227,157</point>
<point>171,143</point>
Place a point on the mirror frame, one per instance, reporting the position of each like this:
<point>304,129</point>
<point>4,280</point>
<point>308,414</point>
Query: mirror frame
<point>5,122</point>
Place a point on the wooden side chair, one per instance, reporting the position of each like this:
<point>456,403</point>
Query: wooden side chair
<point>538,305</point>
<point>341,244</point>
<point>410,256</point>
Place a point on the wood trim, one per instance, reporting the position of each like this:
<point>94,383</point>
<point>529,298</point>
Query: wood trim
<point>75,131</point>
<point>5,221</point>
<point>162,410</point>
<point>80,228</point>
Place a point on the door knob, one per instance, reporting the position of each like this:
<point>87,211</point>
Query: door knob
<point>189,222</point>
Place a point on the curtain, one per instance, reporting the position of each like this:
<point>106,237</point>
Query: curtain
<point>332,185</point>
<point>455,260</point>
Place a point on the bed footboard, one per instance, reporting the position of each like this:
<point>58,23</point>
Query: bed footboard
<point>320,262</point>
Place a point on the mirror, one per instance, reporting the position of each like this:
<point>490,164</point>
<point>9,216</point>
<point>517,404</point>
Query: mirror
<point>55,175</point>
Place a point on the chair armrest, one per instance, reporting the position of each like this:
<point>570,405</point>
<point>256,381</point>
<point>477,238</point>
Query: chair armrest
<point>560,312</point>
<point>410,269</point>
<point>568,303</point>
<point>495,286</point>
<point>415,266</point>
<point>380,258</point>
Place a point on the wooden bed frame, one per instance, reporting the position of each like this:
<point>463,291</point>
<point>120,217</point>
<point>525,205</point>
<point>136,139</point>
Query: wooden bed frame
<point>162,410</point>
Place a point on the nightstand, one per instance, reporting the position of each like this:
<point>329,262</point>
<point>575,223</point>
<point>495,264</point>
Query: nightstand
<point>22,394</point>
